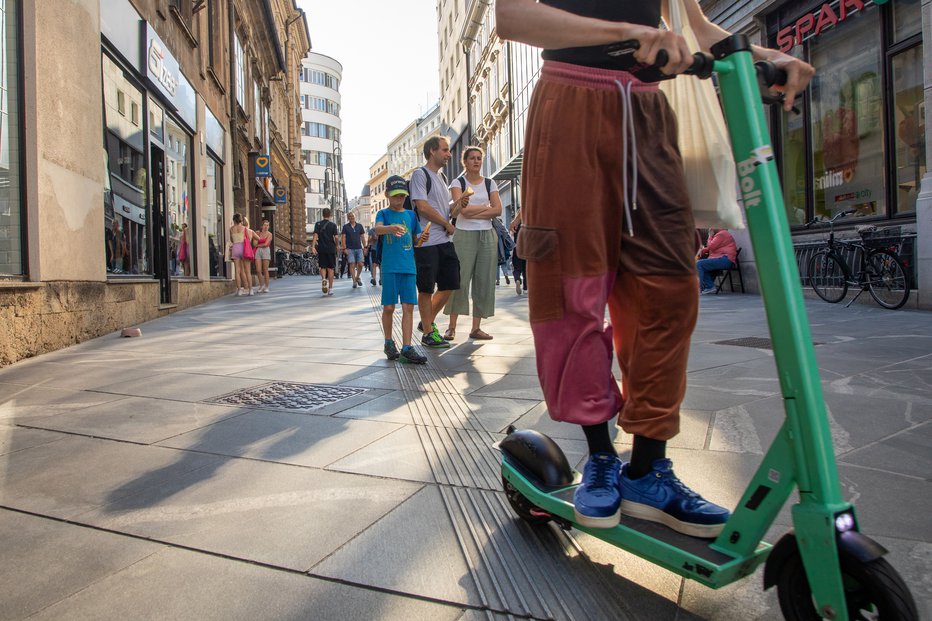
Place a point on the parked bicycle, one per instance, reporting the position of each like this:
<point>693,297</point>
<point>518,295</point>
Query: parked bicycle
<point>878,267</point>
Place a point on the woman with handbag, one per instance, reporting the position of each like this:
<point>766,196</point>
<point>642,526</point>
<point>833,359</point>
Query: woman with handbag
<point>242,254</point>
<point>607,222</point>
<point>183,254</point>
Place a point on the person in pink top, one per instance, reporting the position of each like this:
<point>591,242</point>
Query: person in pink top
<point>718,254</point>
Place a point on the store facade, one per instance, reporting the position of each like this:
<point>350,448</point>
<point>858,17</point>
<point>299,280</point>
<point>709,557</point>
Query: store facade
<point>860,139</point>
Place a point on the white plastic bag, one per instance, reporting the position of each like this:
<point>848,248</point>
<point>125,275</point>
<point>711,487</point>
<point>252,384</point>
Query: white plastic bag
<point>703,140</point>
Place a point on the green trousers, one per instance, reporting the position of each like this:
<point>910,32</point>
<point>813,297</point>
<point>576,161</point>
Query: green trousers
<point>478,255</point>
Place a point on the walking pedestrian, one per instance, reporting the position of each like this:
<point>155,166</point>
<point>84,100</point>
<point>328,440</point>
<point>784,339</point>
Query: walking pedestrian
<point>324,245</point>
<point>518,264</point>
<point>587,114</point>
<point>375,256</point>
<point>240,235</point>
<point>353,237</point>
<point>476,245</point>
<point>438,269</point>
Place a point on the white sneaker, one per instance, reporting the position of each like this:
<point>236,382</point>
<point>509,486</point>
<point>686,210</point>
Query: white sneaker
<point>251,292</point>
<point>239,291</point>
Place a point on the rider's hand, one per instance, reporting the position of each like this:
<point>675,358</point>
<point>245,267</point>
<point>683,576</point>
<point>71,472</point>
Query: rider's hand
<point>798,75</point>
<point>653,40</point>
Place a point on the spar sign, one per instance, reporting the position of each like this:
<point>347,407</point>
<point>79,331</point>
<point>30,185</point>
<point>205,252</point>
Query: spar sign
<point>812,25</point>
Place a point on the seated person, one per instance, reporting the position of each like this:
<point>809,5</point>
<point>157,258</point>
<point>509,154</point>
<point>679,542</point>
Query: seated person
<point>718,254</point>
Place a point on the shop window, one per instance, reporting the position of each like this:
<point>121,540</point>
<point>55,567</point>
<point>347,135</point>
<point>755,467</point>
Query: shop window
<point>909,129</point>
<point>125,205</point>
<point>847,119</point>
<point>11,209</point>
<point>216,227</point>
<point>178,199</point>
<point>240,72</point>
<point>907,19</point>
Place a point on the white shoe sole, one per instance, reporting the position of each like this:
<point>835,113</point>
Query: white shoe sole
<point>597,522</point>
<point>653,514</point>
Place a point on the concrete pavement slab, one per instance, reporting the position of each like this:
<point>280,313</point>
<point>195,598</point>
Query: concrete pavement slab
<point>308,372</point>
<point>284,437</point>
<point>399,455</point>
<point>283,515</point>
<point>514,387</point>
<point>73,376</point>
<point>135,419</point>
<point>18,400</point>
<point>391,407</point>
<point>14,439</point>
<point>907,452</point>
<point>178,584</point>
<point>180,386</point>
<point>496,413</point>
<point>67,478</point>
<point>45,561</point>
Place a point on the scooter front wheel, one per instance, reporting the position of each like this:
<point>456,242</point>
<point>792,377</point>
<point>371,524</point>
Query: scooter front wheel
<point>526,510</point>
<point>873,591</point>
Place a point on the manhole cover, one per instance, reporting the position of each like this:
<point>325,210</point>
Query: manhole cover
<point>752,341</point>
<point>289,396</point>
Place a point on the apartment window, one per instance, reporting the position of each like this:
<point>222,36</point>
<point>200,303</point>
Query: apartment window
<point>257,111</point>
<point>240,72</point>
<point>11,209</point>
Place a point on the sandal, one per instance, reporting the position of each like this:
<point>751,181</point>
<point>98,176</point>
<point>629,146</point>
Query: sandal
<point>449,335</point>
<point>479,335</point>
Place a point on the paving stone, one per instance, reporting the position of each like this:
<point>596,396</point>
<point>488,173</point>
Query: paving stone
<point>308,373</point>
<point>135,419</point>
<point>177,584</point>
<point>514,387</point>
<point>908,452</point>
<point>75,475</point>
<point>14,438</point>
<point>181,386</point>
<point>282,515</point>
<point>431,564</point>
<point>496,413</point>
<point>73,376</point>
<point>17,400</point>
<point>399,455</point>
<point>283,437</point>
<point>384,378</point>
<point>390,408</point>
<point>45,561</point>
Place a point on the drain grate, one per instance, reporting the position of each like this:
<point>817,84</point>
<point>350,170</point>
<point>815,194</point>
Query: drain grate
<point>289,396</point>
<point>753,341</point>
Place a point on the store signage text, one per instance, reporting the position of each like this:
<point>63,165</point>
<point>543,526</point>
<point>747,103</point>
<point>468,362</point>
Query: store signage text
<point>159,68</point>
<point>749,191</point>
<point>814,24</point>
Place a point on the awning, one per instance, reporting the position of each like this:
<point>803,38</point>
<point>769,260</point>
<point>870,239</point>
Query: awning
<point>512,169</point>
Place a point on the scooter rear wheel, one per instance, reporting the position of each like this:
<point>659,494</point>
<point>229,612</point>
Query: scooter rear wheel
<point>873,591</point>
<point>526,510</point>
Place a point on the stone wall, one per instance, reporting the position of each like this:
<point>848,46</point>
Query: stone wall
<point>36,319</point>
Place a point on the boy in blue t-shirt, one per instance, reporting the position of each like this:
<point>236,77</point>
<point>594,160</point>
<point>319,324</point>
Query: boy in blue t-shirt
<point>397,229</point>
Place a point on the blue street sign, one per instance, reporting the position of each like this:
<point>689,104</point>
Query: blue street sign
<point>263,166</point>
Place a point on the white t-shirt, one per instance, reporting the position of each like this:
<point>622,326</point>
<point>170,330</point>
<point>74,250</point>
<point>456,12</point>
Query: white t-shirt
<point>439,199</point>
<point>481,197</point>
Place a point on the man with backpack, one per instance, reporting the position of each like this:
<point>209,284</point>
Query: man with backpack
<point>438,268</point>
<point>324,245</point>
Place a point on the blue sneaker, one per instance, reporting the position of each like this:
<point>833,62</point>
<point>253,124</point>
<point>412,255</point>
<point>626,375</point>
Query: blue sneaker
<point>596,500</point>
<point>391,350</point>
<point>659,496</point>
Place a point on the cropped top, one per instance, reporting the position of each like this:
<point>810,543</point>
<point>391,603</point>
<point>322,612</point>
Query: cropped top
<point>643,12</point>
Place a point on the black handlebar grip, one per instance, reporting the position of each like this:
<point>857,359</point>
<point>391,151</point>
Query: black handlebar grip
<point>770,74</point>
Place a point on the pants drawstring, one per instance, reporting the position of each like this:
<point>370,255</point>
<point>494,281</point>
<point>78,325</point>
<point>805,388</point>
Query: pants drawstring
<point>628,134</point>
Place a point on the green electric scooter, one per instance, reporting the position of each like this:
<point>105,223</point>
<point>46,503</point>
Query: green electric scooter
<point>824,567</point>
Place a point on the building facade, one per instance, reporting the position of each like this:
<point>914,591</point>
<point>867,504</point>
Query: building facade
<point>454,108</point>
<point>860,139</point>
<point>91,244</point>
<point>406,151</point>
<point>321,138</point>
<point>378,175</point>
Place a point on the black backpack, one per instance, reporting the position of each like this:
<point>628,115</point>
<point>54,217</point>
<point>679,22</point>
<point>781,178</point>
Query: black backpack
<point>488,184</point>
<point>409,204</point>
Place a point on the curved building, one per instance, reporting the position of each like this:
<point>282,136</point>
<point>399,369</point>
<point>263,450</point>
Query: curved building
<point>321,130</point>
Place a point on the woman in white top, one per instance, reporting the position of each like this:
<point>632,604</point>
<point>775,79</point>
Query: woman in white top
<point>476,246</point>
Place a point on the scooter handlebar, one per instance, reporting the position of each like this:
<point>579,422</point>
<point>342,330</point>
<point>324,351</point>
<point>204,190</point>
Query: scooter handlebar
<point>701,67</point>
<point>770,74</point>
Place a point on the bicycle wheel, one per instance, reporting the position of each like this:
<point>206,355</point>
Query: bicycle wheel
<point>290,267</point>
<point>886,279</point>
<point>827,276</point>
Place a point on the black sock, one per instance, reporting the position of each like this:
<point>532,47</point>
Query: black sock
<point>644,452</point>
<point>599,439</point>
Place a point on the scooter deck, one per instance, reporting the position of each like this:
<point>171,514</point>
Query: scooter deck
<point>690,557</point>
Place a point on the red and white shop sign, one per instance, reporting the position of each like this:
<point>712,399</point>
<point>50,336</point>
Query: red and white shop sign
<point>812,25</point>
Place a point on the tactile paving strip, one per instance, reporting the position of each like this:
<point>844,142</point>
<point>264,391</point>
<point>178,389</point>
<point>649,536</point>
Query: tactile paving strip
<point>518,570</point>
<point>290,396</point>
